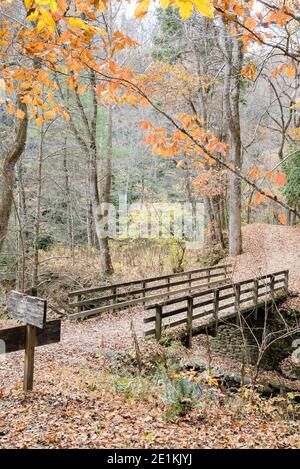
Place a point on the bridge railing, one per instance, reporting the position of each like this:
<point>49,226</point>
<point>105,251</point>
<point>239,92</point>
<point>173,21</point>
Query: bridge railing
<point>122,295</point>
<point>216,303</point>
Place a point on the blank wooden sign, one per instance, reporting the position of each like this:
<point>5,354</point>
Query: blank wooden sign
<point>27,309</point>
<point>14,338</point>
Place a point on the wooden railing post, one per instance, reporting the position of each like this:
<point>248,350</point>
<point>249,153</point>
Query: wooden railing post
<point>144,293</point>
<point>225,272</point>
<point>272,286</point>
<point>208,278</point>
<point>168,286</point>
<point>114,292</point>
<point>237,296</point>
<point>190,281</point>
<point>255,296</point>
<point>216,308</point>
<point>286,282</point>
<point>189,321</point>
<point>158,322</point>
<point>29,353</point>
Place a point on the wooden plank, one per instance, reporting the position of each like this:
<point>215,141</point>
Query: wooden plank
<point>14,338</point>
<point>158,322</point>
<point>210,301</point>
<point>189,322</point>
<point>135,301</point>
<point>30,339</point>
<point>147,279</point>
<point>27,309</point>
<point>143,291</point>
<point>211,322</point>
<point>216,307</point>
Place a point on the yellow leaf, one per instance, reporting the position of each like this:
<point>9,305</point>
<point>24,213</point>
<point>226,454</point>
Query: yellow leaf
<point>165,3</point>
<point>47,19</point>
<point>142,9</point>
<point>29,4</point>
<point>53,6</point>
<point>204,7</point>
<point>185,9</point>
<point>78,23</point>
<point>39,121</point>
<point>33,16</point>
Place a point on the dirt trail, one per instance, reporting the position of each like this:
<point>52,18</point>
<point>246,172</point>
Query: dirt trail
<point>266,249</point>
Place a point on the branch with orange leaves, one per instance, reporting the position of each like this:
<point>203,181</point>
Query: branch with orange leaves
<point>214,157</point>
<point>234,18</point>
<point>288,11</point>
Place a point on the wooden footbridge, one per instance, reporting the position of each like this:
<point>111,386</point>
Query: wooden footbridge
<point>197,298</point>
<point>94,301</point>
<point>210,306</point>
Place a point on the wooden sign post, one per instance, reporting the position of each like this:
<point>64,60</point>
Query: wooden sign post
<point>31,311</point>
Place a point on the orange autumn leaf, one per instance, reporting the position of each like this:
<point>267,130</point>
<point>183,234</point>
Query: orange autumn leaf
<point>282,218</point>
<point>39,121</point>
<point>250,23</point>
<point>280,179</point>
<point>50,115</point>
<point>290,71</point>
<point>249,71</point>
<point>259,198</point>
<point>20,114</point>
<point>145,125</point>
<point>10,108</point>
<point>278,17</point>
<point>254,172</point>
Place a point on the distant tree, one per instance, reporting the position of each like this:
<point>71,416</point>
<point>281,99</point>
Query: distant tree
<point>168,44</point>
<point>291,168</point>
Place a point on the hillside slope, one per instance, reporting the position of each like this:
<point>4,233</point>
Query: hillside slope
<point>266,249</point>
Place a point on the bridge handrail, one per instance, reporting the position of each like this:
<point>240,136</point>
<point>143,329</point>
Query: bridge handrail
<point>236,294</point>
<point>148,280</point>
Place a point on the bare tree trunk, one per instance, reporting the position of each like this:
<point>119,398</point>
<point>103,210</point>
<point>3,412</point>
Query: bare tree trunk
<point>211,231</point>
<point>7,174</point>
<point>70,223</point>
<point>100,215</point>
<point>23,204</point>
<point>89,146</point>
<point>232,50</point>
<point>235,210</point>
<point>35,273</point>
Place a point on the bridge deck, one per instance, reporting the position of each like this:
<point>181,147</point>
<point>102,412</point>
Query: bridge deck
<point>214,305</point>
